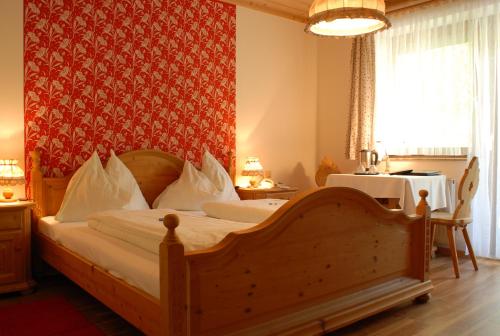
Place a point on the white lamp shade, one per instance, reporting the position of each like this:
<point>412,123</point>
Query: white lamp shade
<point>346,18</point>
<point>319,6</point>
<point>252,167</point>
<point>10,173</point>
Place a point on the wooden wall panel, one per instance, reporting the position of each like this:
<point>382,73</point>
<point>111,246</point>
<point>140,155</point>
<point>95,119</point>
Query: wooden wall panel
<point>394,6</point>
<point>298,10</point>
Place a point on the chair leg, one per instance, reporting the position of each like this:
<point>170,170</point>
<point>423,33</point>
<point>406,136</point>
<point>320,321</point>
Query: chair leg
<point>453,250</point>
<point>469,247</point>
<point>433,235</point>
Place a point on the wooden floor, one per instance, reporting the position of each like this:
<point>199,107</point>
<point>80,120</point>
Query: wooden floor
<point>467,306</point>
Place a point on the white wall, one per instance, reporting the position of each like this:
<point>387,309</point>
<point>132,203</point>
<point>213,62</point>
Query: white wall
<point>276,96</point>
<point>11,84</point>
<point>334,88</point>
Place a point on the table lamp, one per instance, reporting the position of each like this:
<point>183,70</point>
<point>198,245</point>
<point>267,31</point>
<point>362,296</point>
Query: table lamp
<point>254,169</point>
<point>10,174</point>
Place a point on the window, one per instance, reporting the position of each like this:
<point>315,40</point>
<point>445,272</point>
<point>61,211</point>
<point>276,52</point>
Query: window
<point>424,91</point>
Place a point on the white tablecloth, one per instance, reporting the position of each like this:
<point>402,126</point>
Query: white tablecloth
<point>405,188</point>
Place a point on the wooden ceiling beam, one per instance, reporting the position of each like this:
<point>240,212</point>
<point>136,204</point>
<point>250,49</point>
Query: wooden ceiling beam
<point>278,8</point>
<point>399,6</point>
<point>298,10</point>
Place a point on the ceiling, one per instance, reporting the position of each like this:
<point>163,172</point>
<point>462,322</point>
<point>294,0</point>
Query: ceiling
<point>298,9</point>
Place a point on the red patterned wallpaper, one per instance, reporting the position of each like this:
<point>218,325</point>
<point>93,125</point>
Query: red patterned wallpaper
<point>128,74</point>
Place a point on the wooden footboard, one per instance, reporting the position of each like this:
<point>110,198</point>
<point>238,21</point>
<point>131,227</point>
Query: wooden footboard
<point>324,260</point>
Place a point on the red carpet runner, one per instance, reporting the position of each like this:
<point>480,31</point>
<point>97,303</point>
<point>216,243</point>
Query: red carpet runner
<point>51,317</point>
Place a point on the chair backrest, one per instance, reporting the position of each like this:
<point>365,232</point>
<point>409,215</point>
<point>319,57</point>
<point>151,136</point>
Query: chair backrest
<point>467,190</point>
<point>325,168</point>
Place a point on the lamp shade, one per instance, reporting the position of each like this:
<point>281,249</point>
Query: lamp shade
<point>10,173</point>
<point>347,18</point>
<point>252,167</point>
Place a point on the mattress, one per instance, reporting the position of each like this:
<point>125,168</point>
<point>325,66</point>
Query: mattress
<point>133,264</point>
<point>140,269</point>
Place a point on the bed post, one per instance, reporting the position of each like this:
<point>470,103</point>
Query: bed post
<point>231,169</point>
<point>173,282</point>
<point>422,260</point>
<point>36,185</point>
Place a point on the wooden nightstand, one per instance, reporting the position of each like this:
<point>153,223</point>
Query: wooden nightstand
<point>15,247</point>
<point>276,192</point>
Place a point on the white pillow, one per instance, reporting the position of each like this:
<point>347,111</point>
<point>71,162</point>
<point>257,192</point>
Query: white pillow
<point>219,176</point>
<point>250,211</point>
<point>90,190</point>
<point>117,170</point>
<point>189,192</point>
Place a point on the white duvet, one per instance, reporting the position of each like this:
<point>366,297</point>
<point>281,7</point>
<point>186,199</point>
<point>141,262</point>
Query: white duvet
<point>144,229</point>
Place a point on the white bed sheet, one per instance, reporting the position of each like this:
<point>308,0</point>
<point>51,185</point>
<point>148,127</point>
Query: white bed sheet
<point>140,269</point>
<point>136,266</point>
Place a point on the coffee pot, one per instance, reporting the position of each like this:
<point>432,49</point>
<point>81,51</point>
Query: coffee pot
<point>368,160</point>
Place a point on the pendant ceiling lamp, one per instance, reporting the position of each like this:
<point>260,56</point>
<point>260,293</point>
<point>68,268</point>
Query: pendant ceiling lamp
<point>347,18</point>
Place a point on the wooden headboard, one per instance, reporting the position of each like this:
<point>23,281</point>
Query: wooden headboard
<point>154,171</point>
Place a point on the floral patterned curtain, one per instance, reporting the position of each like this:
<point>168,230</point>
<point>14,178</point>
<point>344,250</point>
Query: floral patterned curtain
<point>360,133</point>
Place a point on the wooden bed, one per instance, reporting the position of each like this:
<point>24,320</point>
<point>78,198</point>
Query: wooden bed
<point>327,258</point>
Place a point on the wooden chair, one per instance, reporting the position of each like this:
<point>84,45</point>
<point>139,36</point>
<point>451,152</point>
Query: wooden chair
<point>462,216</point>
<point>326,167</point>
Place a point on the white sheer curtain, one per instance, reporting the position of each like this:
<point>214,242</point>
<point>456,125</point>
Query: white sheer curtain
<point>486,139</point>
<point>450,59</point>
<point>424,89</point>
